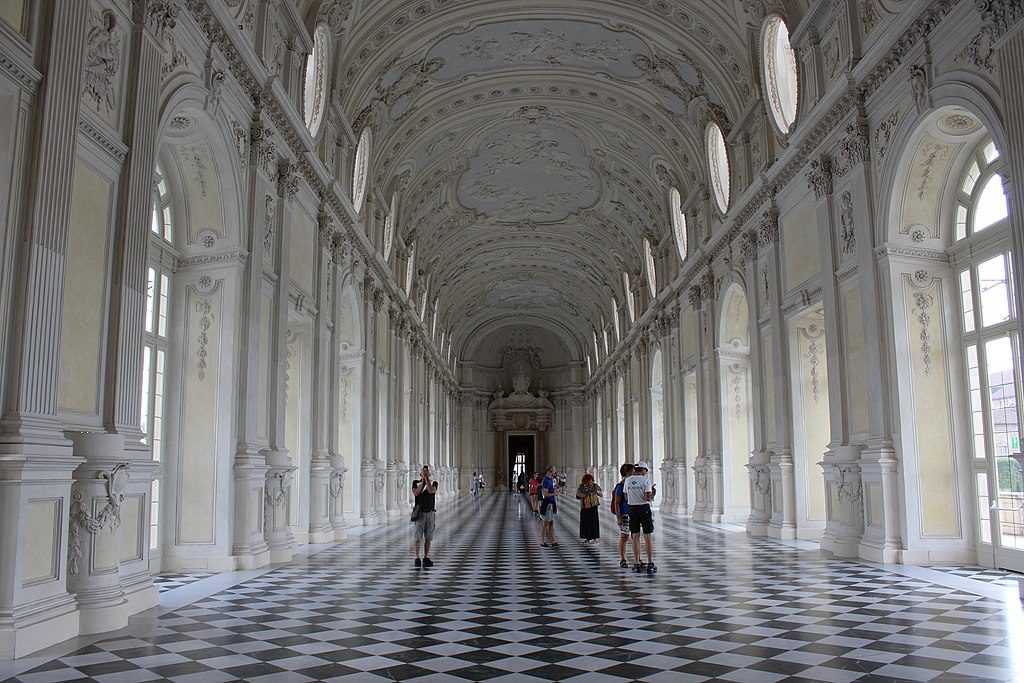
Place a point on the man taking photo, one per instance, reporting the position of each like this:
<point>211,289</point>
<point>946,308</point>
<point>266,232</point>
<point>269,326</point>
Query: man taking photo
<point>424,490</point>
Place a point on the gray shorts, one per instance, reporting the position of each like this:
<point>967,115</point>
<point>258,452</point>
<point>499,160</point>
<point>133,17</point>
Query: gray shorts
<point>425,527</point>
<point>549,513</point>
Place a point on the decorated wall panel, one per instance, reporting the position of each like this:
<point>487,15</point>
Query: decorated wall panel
<point>800,244</point>
<point>85,288</point>
<point>42,541</point>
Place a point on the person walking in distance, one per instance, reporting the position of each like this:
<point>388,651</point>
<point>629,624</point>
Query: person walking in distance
<point>548,508</point>
<point>474,486</point>
<point>639,494</point>
<point>589,494</point>
<point>534,493</point>
<point>424,490</point>
<point>620,508</point>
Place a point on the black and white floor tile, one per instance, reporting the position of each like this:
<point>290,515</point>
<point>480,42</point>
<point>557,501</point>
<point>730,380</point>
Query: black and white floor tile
<point>170,580</point>
<point>997,577</point>
<point>498,607</point>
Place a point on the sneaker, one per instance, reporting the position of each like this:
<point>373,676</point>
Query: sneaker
<point>637,568</point>
<point>624,564</point>
<point>545,544</point>
<point>651,568</point>
<point>417,563</point>
<point>427,562</point>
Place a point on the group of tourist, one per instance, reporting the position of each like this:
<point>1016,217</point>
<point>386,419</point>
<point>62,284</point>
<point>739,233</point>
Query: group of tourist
<point>631,505</point>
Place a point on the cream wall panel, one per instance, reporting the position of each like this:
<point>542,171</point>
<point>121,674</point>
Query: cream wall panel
<point>42,540</point>
<point>198,169</point>
<point>197,479</point>
<point>263,399</point>
<point>688,325</point>
<point>800,244</point>
<point>13,12</point>
<point>873,493</point>
<point>105,542</point>
<point>300,254</point>
<point>768,395</point>
<point>857,379</point>
<point>922,194</point>
<point>812,416</point>
<point>132,528</point>
<point>84,288</point>
<point>932,418</point>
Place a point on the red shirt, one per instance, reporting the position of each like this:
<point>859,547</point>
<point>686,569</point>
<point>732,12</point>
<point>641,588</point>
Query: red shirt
<point>534,485</point>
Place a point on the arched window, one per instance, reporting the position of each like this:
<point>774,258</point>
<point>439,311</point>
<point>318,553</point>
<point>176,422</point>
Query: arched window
<point>361,170</point>
<point>314,93</point>
<point>778,62</point>
<point>630,305</point>
<point>652,279</point>
<point>162,225</point>
<point>389,227</point>
<point>675,202</point>
<point>980,203</point>
<point>607,348</point>
<point>615,319</point>
<point>989,335</point>
<point>156,337</point>
<point>718,165</point>
<point>409,266</point>
<point>597,349</point>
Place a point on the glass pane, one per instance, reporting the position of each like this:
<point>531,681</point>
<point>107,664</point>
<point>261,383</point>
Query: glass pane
<point>967,298</point>
<point>970,178</point>
<point>977,408</point>
<point>984,525</point>
<point>165,284</point>
<point>990,152</point>
<point>167,223</point>
<point>150,294</point>
<point>994,291</point>
<point>1002,389</point>
<point>154,515</point>
<point>155,227</point>
<point>961,221</point>
<point>991,204</point>
<point>144,402</point>
<point>158,405</point>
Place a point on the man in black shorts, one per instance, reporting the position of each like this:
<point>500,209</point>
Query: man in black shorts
<point>639,494</point>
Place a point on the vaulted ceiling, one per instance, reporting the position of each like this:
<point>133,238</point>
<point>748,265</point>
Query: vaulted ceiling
<point>535,141</point>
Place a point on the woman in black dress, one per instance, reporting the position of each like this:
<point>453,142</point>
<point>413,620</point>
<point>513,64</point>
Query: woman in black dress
<point>589,495</point>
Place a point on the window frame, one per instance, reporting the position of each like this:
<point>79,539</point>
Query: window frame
<point>770,75</point>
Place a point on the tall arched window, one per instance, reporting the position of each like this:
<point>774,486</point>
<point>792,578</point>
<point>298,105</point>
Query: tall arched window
<point>718,165</point>
<point>314,93</point>
<point>615,320</point>
<point>675,202</point>
<point>156,336</point>
<point>778,62</point>
<point>409,270</point>
<point>361,170</point>
<point>980,203</point>
<point>649,266</point>
<point>597,349</point>
<point>630,305</point>
<point>990,343</point>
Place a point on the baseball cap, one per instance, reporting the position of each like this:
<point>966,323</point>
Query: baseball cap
<point>641,466</point>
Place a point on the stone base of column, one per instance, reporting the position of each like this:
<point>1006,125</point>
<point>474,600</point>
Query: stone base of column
<point>276,530</point>
<point>34,626</point>
<point>250,549</point>
<point>785,532</point>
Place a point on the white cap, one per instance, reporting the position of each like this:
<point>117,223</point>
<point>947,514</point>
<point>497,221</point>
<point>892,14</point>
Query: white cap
<point>641,466</point>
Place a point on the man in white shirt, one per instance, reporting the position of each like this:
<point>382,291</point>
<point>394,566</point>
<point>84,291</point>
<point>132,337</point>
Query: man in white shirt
<point>639,493</point>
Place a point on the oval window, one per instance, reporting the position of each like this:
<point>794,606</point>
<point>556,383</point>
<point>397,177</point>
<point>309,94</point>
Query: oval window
<point>314,95</point>
<point>678,222</point>
<point>780,77</point>
<point>652,280</point>
<point>718,165</point>
<point>361,170</point>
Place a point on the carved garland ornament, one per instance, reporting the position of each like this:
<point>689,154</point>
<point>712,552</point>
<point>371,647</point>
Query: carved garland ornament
<point>922,304</point>
<point>109,517</point>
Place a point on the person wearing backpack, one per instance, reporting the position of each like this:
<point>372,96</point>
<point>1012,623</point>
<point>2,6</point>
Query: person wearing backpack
<point>639,494</point>
<point>424,491</point>
<point>620,508</point>
<point>589,495</point>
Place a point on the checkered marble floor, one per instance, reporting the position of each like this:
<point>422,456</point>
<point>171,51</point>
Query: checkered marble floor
<point>170,581</point>
<point>998,577</point>
<point>498,607</point>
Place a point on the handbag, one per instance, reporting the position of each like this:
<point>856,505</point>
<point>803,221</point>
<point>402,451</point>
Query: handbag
<point>415,513</point>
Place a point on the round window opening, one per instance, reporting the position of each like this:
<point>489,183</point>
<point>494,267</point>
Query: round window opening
<point>678,222</point>
<point>361,170</point>
<point>779,67</point>
<point>314,94</point>
<point>718,165</point>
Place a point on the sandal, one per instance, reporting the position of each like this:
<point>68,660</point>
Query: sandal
<point>545,544</point>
